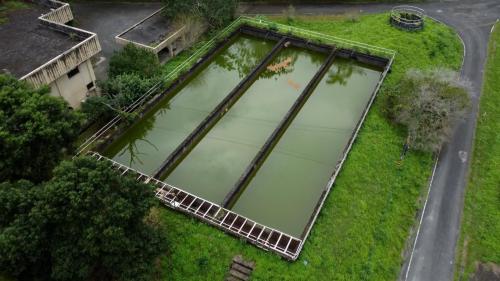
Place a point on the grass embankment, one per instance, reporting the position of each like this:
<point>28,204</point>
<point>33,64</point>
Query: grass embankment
<point>480,239</point>
<point>361,231</point>
<point>9,6</point>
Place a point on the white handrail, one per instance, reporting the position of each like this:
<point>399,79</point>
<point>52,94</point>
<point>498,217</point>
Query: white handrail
<point>241,20</point>
<point>148,179</point>
<point>319,36</point>
<point>139,100</point>
<point>396,11</point>
<point>44,17</point>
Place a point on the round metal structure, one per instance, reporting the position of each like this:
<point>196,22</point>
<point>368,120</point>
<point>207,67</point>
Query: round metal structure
<point>407,17</point>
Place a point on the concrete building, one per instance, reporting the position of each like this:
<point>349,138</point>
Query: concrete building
<point>158,35</point>
<point>38,46</point>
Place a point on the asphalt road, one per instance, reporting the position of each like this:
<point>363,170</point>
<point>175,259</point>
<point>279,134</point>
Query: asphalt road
<point>433,253</point>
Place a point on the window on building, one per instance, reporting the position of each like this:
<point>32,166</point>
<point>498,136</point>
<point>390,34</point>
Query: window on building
<point>90,85</point>
<point>73,72</point>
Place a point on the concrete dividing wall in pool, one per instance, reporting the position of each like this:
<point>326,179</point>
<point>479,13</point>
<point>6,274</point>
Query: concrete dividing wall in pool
<point>214,165</point>
<point>285,191</point>
<point>150,141</point>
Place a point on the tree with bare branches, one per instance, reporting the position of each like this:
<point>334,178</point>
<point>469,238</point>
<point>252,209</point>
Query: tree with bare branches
<point>429,103</point>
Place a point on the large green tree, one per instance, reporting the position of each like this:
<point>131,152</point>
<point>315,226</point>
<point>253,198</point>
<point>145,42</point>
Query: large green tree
<point>35,129</point>
<point>87,223</point>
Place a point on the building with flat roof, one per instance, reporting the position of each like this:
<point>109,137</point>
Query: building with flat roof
<point>157,34</point>
<point>38,46</point>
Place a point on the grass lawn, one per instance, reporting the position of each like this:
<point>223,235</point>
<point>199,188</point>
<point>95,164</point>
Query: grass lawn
<point>480,239</point>
<point>363,226</point>
<point>10,6</point>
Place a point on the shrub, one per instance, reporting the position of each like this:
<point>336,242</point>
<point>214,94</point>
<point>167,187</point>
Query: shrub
<point>117,93</point>
<point>126,88</point>
<point>134,60</point>
<point>217,13</point>
<point>96,108</point>
<point>429,104</point>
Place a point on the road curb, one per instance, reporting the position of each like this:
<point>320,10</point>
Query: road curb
<point>422,215</point>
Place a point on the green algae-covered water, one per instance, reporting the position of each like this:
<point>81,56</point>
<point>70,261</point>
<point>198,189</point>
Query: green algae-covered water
<point>214,165</point>
<point>287,187</point>
<point>285,190</point>
<point>148,143</point>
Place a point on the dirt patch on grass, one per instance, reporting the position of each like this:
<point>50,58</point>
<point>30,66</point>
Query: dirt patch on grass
<point>486,272</point>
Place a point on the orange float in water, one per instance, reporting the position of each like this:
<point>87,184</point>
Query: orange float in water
<point>294,85</point>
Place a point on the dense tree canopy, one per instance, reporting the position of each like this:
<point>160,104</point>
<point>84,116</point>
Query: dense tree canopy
<point>218,13</point>
<point>429,103</point>
<point>87,223</point>
<point>35,128</point>
<point>132,59</point>
<point>21,238</point>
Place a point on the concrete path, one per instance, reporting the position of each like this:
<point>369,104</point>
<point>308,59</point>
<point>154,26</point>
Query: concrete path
<point>433,252</point>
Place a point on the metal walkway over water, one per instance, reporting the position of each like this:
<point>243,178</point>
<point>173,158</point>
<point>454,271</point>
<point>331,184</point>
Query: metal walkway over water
<point>231,222</point>
<point>260,235</point>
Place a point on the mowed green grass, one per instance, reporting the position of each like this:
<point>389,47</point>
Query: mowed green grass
<point>480,240</point>
<point>361,231</point>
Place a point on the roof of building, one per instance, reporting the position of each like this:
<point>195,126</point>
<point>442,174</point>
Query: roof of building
<point>26,44</point>
<point>151,30</point>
